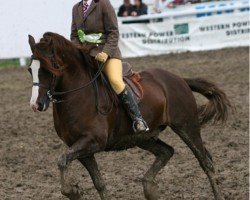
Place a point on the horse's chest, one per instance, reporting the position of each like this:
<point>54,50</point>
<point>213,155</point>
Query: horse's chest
<point>67,129</point>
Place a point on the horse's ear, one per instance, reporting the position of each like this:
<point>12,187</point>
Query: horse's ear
<point>32,43</point>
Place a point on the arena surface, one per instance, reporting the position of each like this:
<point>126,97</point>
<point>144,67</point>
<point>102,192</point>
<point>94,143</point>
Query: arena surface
<point>29,146</point>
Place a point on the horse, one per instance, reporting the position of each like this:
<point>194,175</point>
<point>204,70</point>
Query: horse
<point>60,72</point>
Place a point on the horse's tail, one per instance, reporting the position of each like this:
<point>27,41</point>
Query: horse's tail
<point>217,107</point>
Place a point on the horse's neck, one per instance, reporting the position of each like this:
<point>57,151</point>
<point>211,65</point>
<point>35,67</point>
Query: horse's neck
<point>74,76</point>
<point>75,73</point>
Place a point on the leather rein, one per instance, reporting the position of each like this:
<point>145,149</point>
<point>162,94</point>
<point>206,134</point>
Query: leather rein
<point>51,93</point>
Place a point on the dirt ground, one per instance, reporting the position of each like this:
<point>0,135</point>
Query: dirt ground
<point>29,146</point>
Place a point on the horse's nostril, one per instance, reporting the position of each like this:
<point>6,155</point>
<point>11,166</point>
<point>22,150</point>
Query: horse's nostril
<point>40,106</point>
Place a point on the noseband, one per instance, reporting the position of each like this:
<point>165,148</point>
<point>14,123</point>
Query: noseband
<point>51,93</point>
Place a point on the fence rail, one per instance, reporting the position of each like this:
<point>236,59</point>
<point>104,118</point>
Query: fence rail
<point>196,10</point>
<point>13,40</point>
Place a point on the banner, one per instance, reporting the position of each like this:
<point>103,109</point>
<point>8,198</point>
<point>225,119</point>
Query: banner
<point>191,34</point>
<point>193,27</point>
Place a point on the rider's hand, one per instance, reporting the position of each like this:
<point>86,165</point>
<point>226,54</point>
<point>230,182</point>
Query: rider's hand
<point>102,57</point>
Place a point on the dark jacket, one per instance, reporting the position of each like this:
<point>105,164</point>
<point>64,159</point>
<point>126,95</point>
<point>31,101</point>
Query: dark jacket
<point>142,10</point>
<point>100,18</point>
<point>124,8</point>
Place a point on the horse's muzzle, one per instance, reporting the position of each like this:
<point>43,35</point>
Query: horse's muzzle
<point>40,106</point>
<point>34,107</point>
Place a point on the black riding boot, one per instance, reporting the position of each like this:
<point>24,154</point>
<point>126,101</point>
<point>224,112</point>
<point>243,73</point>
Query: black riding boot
<point>127,98</point>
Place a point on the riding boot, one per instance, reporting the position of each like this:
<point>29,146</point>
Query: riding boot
<point>127,98</point>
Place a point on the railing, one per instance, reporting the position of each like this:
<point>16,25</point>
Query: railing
<point>185,11</point>
<point>194,10</point>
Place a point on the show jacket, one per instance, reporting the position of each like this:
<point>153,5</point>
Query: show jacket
<point>99,18</point>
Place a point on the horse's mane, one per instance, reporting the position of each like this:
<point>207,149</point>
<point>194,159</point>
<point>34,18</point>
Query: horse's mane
<point>56,44</point>
<point>60,42</point>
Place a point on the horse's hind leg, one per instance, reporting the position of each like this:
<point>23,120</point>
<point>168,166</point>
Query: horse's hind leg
<point>191,136</point>
<point>163,153</point>
<point>90,164</point>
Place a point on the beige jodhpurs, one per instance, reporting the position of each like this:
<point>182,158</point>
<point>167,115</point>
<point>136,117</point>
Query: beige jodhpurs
<point>113,70</point>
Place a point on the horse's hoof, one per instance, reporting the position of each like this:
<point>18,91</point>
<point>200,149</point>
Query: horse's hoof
<point>219,197</point>
<point>72,192</point>
<point>62,162</point>
<point>150,190</point>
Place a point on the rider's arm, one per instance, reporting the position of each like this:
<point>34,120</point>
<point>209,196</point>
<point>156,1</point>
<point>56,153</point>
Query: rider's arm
<point>111,28</point>
<point>73,35</point>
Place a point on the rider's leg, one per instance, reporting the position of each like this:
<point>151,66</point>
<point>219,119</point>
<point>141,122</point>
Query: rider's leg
<point>113,70</point>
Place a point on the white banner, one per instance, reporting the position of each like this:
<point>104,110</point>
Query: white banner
<point>195,34</point>
<point>180,30</point>
<point>18,18</point>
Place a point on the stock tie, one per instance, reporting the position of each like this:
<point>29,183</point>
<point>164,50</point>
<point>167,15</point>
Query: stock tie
<point>85,6</point>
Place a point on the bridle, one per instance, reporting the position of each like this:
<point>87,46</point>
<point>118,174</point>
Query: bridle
<point>51,93</point>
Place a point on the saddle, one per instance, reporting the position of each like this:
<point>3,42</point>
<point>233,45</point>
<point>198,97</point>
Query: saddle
<point>132,79</point>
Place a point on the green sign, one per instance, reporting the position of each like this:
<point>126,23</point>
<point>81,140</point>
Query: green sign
<point>181,29</point>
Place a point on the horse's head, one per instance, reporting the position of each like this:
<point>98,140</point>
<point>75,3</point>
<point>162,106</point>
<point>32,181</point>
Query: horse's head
<point>44,68</point>
<point>50,57</point>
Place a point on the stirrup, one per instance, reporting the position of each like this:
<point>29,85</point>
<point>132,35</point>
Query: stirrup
<point>143,129</point>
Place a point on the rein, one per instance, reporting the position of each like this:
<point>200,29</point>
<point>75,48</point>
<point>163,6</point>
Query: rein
<point>52,94</point>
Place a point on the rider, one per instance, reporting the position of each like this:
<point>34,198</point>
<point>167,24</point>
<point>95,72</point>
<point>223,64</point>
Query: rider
<point>95,21</point>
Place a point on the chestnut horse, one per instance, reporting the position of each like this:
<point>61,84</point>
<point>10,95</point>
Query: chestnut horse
<point>60,71</point>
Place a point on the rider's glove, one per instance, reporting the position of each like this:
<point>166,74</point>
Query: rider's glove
<point>102,57</point>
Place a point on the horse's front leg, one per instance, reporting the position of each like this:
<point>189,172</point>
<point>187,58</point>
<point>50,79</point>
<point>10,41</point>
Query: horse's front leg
<point>90,164</point>
<point>67,189</point>
<point>83,148</point>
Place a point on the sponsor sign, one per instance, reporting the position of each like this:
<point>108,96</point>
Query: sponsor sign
<point>192,27</point>
<point>179,35</point>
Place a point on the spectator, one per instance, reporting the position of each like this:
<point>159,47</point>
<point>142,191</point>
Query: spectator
<point>175,3</point>
<point>161,5</point>
<point>126,9</point>
<point>194,1</point>
<point>139,8</point>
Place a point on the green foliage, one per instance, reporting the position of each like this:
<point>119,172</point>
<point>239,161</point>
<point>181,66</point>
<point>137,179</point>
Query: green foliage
<point>9,63</point>
<point>90,38</point>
